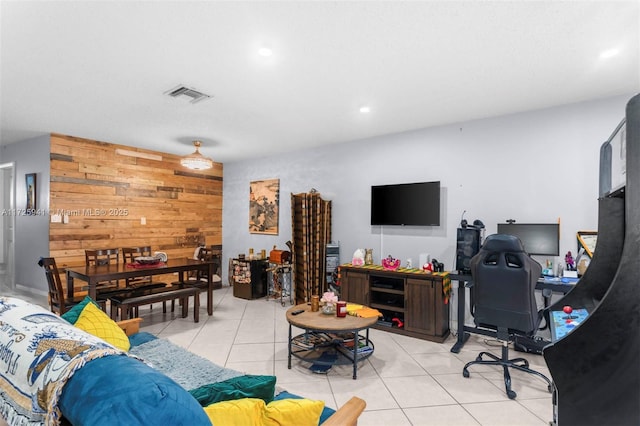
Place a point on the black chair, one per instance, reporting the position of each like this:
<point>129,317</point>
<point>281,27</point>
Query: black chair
<point>57,301</point>
<point>102,257</point>
<point>200,278</point>
<point>140,285</point>
<point>504,281</point>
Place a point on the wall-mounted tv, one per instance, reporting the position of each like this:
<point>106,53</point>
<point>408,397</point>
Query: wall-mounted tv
<point>416,204</point>
<point>537,238</point>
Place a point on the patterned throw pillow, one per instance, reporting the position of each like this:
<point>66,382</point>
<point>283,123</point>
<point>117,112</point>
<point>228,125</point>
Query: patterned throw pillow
<point>72,314</point>
<point>94,321</point>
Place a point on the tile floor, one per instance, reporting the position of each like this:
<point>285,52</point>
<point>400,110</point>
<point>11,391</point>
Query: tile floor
<point>406,381</point>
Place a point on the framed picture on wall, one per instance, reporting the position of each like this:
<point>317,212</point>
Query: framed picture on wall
<point>264,201</point>
<point>31,188</point>
<point>587,240</point>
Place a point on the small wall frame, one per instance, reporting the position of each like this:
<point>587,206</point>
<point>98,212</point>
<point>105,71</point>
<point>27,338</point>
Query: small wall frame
<point>31,192</point>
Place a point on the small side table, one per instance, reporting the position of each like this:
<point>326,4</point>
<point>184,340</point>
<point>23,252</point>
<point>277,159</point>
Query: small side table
<point>318,336</point>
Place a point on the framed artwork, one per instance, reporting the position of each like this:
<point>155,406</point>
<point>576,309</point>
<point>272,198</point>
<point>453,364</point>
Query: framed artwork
<point>587,240</point>
<point>264,202</point>
<point>30,181</point>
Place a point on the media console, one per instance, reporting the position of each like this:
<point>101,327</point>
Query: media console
<point>414,303</point>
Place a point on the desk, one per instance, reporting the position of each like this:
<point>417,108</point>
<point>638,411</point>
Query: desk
<point>462,330</point>
<point>92,275</point>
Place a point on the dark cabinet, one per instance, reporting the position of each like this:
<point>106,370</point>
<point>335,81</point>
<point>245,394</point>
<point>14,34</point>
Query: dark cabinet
<point>356,289</point>
<point>420,304</point>
<point>249,278</point>
<point>411,303</point>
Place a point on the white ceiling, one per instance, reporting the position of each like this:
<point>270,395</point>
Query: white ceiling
<point>98,69</point>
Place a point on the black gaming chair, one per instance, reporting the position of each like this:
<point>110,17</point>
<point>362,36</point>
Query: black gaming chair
<point>504,281</point>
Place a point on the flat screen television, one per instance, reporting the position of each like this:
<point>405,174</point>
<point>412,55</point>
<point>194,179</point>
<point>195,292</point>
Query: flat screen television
<point>416,204</point>
<point>537,238</point>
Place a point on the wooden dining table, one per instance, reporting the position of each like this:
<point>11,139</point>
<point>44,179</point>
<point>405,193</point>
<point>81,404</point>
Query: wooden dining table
<point>93,275</point>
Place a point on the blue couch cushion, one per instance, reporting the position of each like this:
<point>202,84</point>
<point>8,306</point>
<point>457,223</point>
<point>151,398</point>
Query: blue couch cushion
<point>125,391</point>
<point>137,339</point>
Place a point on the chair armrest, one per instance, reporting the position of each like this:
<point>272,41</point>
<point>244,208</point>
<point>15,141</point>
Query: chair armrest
<point>348,414</point>
<point>130,326</point>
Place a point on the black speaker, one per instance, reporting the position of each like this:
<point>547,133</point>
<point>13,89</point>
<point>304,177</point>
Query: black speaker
<point>467,247</point>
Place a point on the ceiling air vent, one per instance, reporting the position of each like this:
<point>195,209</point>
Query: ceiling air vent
<point>187,92</point>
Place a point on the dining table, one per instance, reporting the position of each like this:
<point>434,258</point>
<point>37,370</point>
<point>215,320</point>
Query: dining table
<point>93,275</point>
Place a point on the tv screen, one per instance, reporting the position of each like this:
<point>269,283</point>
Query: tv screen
<point>415,204</point>
<point>537,238</point>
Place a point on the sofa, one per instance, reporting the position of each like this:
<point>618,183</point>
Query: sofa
<point>85,369</point>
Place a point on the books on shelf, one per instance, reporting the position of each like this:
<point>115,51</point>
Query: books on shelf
<point>342,341</point>
<point>363,350</point>
<point>310,340</point>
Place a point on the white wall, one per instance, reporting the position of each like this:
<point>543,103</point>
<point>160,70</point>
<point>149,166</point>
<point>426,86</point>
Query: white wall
<point>534,166</point>
<point>31,232</point>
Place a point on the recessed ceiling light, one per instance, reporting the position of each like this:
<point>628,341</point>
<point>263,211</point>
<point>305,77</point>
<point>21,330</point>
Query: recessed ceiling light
<point>365,109</point>
<point>265,51</point>
<point>610,53</point>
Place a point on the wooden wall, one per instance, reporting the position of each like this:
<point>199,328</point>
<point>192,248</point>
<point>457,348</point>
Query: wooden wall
<point>106,189</point>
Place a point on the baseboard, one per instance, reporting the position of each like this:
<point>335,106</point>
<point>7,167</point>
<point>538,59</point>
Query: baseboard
<point>31,290</point>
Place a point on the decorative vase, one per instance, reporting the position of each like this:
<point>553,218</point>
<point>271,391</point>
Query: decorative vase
<point>368,256</point>
<point>329,309</point>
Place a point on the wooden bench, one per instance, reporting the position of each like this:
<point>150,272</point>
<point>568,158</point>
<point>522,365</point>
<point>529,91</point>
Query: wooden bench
<point>162,294</point>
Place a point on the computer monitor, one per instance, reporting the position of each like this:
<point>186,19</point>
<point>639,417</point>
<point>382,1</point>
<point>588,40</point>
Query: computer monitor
<point>537,238</point>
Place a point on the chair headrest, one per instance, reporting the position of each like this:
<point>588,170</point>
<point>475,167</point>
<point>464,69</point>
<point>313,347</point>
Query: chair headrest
<point>502,243</point>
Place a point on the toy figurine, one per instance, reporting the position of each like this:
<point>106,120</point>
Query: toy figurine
<point>390,263</point>
<point>358,258</point>
<point>568,259</point>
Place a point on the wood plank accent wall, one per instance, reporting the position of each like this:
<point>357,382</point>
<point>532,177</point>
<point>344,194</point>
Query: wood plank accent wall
<point>106,189</point>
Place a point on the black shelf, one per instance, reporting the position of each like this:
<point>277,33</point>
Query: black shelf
<point>310,347</point>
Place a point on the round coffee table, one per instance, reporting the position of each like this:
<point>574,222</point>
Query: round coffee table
<point>328,338</point>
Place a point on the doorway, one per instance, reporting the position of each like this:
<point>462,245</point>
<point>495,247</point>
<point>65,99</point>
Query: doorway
<point>7,225</point>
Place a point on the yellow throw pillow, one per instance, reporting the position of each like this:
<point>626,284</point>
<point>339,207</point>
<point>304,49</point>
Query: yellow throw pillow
<point>254,412</point>
<point>237,412</point>
<point>299,412</point>
<point>94,321</point>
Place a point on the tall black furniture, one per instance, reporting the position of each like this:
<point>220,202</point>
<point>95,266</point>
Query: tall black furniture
<point>596,367</point>
<point>505,278</point>
<point>250,278</point>
<point>467,246</point>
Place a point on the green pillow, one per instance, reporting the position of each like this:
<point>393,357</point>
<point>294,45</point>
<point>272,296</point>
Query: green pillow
<point>249,386</point>
<point>73,314</point>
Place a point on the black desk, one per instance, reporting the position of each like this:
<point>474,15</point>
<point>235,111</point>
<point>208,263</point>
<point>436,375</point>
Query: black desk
<point>463,330</point>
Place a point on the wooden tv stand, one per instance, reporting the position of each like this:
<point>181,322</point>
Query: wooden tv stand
<point>412,296</point>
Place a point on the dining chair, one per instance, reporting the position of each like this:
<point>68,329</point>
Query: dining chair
<point>200,278</point>
<point>129,255</point>
<point>57,301</point>
<point>142,284</point>
<point>100,257</point>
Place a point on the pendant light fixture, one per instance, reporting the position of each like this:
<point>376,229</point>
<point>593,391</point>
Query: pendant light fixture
<point>196,161</point>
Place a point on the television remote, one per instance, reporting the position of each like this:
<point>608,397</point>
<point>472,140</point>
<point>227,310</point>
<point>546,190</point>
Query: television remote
<point>298,312</point>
